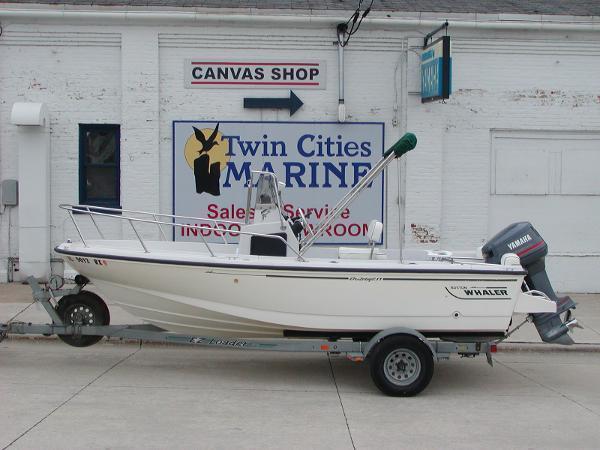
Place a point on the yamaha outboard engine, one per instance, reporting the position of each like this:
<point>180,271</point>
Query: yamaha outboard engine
<point>524,240</point>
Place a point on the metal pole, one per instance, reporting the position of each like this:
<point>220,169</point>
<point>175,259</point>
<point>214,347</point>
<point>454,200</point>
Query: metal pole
<point>341,29</point>
<point>346,200</point>
<point>138,236</point>
<point>222,234</point>
<point>95,224</point>
<point>249,199</point>
<point>159,227</point>
<point>77,228</point>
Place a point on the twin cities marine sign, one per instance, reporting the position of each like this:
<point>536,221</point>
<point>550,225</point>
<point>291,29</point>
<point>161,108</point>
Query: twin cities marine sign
<point>436,71</point>
<point>262,74</point>
<point>318,162</point>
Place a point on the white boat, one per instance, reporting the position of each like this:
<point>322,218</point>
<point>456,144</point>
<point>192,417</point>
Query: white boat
<point>274,283</point>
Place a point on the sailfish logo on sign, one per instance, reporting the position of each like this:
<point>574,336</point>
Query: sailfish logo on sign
<point>207,175</point>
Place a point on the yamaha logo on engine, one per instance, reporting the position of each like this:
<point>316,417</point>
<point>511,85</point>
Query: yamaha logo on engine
<point>517,243</point>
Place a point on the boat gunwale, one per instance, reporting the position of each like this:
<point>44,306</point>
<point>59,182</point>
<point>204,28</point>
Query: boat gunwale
<point>349,269</point>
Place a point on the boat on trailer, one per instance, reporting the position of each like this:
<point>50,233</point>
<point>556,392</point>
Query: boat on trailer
<point>271,282</point>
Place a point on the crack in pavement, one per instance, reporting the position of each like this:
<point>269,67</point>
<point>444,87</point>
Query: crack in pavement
<point>340,398</point>
<point>122,360</point>
<point>587,327</point>
<point>565,396</point>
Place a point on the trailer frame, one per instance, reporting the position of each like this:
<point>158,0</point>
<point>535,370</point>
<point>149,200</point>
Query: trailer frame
<point>355,350</point>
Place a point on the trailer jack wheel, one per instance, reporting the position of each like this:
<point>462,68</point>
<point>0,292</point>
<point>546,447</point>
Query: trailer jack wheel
<point>401,365</point>
<point>83,309</point>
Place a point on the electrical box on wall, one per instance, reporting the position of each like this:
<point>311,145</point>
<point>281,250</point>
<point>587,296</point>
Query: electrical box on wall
<point>10,193</point>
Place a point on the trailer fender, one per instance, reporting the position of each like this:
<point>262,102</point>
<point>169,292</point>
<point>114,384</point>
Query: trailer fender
<point>396,331</point>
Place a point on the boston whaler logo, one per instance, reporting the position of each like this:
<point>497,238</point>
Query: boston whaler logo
<point>522,240</point>
<point>479,293</point>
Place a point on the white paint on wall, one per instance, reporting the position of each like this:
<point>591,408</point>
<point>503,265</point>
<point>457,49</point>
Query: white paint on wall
<point>547,177</point>
<point>502,80</point>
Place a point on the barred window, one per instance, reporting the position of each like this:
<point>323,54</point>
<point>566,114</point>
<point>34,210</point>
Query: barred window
<point>99,165</point>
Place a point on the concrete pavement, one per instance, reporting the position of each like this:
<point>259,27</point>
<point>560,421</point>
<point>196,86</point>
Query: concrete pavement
<point>116,395</point>
<point>123,395</point>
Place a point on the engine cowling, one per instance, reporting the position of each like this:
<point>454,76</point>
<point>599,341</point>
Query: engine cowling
<point>526,242</point>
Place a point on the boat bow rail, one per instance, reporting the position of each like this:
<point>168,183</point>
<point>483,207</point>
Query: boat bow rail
<point>161,220</point>
<point>269,182</point>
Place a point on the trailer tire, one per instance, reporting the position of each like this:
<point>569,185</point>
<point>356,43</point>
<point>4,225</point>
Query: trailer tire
<point>401,365</point>
<point>84,308</point>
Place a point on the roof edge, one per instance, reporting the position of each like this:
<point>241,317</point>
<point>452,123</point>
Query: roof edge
<point>377,19</point>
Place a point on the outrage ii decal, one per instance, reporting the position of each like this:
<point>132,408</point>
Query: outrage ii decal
<point>478,292</point>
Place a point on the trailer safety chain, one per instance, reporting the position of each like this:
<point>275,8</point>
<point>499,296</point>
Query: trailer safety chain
<point>20,312</point>
<point>6,326</point>
<point>528,319</point>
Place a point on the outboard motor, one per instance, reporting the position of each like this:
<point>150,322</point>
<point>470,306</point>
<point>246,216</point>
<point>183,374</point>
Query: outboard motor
<point>523,239</point>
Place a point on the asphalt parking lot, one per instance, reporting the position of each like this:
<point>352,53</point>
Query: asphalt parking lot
<point>117,395</point>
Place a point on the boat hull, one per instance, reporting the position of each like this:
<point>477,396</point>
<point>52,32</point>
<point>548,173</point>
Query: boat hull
<point>240,300</point>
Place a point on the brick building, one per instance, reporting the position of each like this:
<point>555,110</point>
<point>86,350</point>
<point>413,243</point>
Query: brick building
<point>518,139</point>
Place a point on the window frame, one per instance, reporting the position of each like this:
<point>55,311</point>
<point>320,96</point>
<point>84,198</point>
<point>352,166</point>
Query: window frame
<point>84,128</point>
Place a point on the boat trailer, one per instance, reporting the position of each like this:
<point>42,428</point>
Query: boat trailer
<point>401,359</point>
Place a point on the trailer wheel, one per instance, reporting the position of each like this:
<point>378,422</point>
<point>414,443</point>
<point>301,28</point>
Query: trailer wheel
<point>85,309</point>
<point>401,365</point>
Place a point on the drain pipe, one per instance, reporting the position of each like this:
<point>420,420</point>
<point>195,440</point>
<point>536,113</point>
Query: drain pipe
<point>33,147</point>
<point>341,30</point>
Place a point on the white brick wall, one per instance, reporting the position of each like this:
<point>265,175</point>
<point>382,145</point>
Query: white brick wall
<point>538,82</point>
<point>133,76</point>
<point>77,75</point>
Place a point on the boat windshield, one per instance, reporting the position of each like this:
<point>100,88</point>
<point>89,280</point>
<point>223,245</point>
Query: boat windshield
<point>266,192</point>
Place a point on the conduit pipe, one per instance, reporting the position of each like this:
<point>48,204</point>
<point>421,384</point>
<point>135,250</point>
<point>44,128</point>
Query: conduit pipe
<point>341,101</point>
<point>132,16</point>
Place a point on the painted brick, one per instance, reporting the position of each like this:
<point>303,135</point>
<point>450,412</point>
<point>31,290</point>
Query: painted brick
<point>133,76</point>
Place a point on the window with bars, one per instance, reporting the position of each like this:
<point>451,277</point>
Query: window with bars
<point>99,165</point>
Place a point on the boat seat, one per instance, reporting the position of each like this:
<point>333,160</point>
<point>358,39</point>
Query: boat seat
<point>361,253</point>
<point>373,235</point>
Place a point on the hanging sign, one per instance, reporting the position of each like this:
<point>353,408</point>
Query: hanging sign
<point>318,162</point>
<point>436,70</point>
<point>261,74</point>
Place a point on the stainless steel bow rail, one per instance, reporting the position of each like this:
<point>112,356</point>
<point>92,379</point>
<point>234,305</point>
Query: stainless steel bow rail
<point>400,359</point>
<point>134,216</point>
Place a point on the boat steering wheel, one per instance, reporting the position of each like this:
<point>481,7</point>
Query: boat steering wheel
<point>304,223</point>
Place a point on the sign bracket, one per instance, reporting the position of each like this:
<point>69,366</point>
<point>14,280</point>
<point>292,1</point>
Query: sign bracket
<point>430,35</point>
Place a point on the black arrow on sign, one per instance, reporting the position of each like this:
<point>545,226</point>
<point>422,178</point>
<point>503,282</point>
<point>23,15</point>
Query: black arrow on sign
<point>293,103</point>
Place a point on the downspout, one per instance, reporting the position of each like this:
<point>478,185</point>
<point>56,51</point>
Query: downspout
<point>341,30</point>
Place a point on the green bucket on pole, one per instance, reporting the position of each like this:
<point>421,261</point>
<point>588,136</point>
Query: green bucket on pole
<point>405,144</point>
